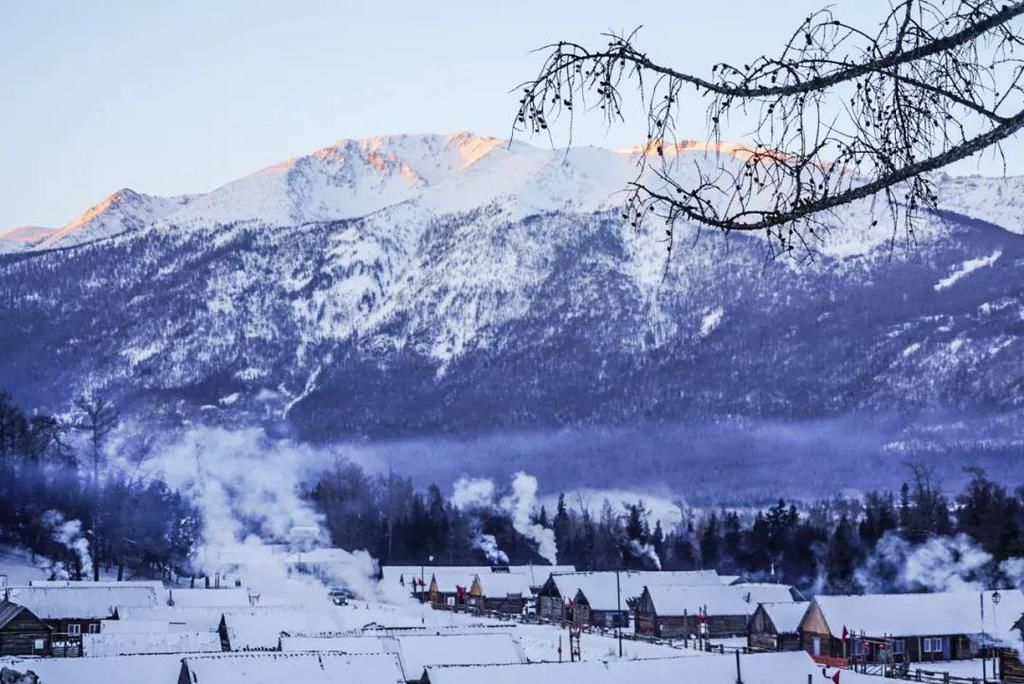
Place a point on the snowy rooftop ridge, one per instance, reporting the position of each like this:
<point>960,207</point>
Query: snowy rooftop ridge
<point>274,668</point>
<point>737,599</point>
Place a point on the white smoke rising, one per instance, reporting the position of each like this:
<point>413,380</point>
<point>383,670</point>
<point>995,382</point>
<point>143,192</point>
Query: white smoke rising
<point>645,551</point>
<point>468,493</point>
<point>247,489</point>
<point>68,533</point>
<point>1013,570</point>
<point>489,545</point>
<point>940,564</point>
<point>521,504</point>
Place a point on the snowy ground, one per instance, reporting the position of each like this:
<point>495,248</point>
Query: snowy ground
<point>19,567</point>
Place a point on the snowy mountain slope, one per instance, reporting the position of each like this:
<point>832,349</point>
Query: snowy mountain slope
<point>122,211</point>
<point>416,284</point>
<point>23,237</point>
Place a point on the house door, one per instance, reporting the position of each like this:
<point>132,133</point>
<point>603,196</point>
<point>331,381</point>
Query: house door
<point>945,648</point>
<point>816,646</point>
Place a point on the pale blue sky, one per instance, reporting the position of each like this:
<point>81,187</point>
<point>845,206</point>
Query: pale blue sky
<point>178,97</point>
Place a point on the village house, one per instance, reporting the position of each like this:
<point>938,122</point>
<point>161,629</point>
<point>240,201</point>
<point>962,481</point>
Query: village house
<point>22,632</point>
<point>276,668</point>
<point>604,597</point>
<point>502,593</point>
<point>74,611</point>
<point>900,628</point>
<point>775,626</point>
<point>711,611</point>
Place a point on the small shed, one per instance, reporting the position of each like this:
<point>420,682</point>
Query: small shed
<point>775,626</point>
<point>22,632</point>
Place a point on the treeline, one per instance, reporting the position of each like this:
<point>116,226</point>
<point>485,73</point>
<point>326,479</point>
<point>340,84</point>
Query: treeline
<point>839,545</point>
<point>62,498</point>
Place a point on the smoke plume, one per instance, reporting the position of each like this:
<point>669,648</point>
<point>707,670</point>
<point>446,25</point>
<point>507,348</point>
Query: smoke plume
<point>68,533</point>
<point>521,504</point>
<point>489,545</point>
<point>247,487</point>
<point>939,564</point>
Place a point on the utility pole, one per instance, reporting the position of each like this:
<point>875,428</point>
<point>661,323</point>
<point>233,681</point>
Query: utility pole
<point>618,606</point>
<point>984,660</point>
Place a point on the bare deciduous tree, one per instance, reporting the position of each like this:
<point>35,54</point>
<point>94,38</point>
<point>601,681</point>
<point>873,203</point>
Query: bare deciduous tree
<point>839,115</point>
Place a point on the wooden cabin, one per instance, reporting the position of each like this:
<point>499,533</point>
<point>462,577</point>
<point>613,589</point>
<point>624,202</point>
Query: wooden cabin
<point>22,632</point>
<point>776,626</point>
<point>711,611</point>
<point>500,592</point>
<point>73,611</point>
<point>901,628</point>
<point>605,598</point>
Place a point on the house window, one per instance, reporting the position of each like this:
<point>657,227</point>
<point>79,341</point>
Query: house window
<point>933,645</point>
<point>74,629</point>
<point>858,647</point>
<point>899,647</point>
<point>94,628</point>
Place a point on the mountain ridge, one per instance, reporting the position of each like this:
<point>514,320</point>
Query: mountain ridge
<point>414,285</point>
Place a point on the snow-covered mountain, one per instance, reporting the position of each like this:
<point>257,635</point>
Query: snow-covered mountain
<point>417,284</point>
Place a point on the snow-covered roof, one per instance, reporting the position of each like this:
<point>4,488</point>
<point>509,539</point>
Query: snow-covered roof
<point>417,651</point>
<point>601,591</point>
<point>196,618</point>
<point>499,585</point>
<point>123,643</point>
<point>9,611</point>
<point>155,585</point>
<point>223,598</point>
<point>93,602</point>
<point>105,670</point>
<point>786,615</point>
<point>944,613</point>
<point>740,599</point>
<point>134,627</point>
<point>261,630</point>
<point>308,668</point>
<point>766,668</point>
<point>339,643</point>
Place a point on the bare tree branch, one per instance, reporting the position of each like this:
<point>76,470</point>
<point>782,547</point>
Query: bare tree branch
<point>839,115</point>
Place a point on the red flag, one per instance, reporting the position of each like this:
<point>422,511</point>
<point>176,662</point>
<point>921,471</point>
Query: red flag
<point>835,678</point>
<point>845,633</point>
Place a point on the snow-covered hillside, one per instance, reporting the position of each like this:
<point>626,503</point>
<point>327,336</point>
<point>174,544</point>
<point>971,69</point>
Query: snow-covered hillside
<point>414,284</point>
